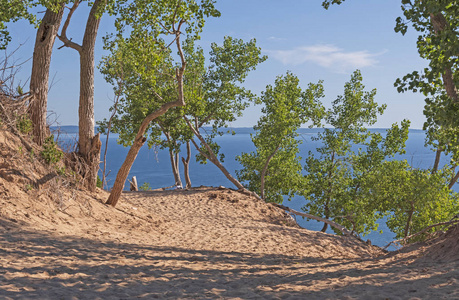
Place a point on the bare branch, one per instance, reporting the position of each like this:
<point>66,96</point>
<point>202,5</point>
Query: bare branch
<point>403,241</point>
<point>309,216</point>
<point>63,36</point>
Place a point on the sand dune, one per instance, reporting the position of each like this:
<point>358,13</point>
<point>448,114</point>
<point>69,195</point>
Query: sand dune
<point>60,242</point>
<point>203,243</point>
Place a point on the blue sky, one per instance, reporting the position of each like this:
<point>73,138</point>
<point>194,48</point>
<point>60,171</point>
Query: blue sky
<point>297,35</point>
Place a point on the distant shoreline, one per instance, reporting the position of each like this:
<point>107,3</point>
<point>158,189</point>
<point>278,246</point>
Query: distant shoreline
<point>241,130</point>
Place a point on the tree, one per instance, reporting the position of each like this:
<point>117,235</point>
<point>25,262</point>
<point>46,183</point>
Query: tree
<point>146,59</point>
<point>216,94</point>
<point>336,184</point>
<point>214,98</point>
<point>413,199</point>
<point>274,170</point>
<point>88,144</point>
<point>438,42</point>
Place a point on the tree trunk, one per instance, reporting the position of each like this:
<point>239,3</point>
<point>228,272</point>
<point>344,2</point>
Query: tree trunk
<point>139,138</point>
<point>453,180</point>
<point>186,165</point>
<point>86,142</point>
<point>263,173</point>
<point>437,160</point>
<point>123,173</point>
<point>408,222</point>
<point>86,121</point>
<point>327,215</point>
<point>92,160</point>
<point>175,170</point>
<point>46,35</point>
<point>211,156</point>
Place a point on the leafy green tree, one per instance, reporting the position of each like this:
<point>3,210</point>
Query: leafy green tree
<point>438,42</point>
<point>412,198</point>
<point>336,181</point>
<point>217,96</point>
<point>274,169</point>
<point>214,98</point>
<point>143,58</point>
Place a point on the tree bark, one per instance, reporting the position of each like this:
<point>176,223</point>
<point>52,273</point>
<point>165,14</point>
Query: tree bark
<point>175,170</point>
<point>408,222</point>
<point>327,215</point>
<point>263,173</point>
<point>186,165</point>
<point>39,79</point>
<point>437,160</point>
<point>453,180</point>
<point>86,121</point>
<point>174,158</point>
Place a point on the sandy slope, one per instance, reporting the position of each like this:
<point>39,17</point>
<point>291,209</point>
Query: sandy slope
<point>204,243</point>
<point>59,242</point>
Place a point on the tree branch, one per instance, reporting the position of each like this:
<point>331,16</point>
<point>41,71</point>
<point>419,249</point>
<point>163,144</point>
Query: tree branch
<point>309,216</point>
<point>454,221</point>
<point>63,36</point>
<point>263,172</point>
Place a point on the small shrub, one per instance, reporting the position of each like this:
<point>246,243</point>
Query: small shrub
<point>61,171</point>
<point>24,124</point>
<point>51,153</point>
<point>32,155</point>
<point>145,187</point>
<point>99,183</point>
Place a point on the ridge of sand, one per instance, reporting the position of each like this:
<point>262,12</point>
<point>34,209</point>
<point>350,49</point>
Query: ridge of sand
<point>59,242</point>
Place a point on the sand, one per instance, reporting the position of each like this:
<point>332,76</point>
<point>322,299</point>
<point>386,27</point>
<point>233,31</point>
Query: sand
<point>60,242</point>
<point>203,243</point>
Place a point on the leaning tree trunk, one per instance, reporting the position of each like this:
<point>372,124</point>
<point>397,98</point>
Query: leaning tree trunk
<point>139,140</point>
<point>210,155</point>
<point>46,35</point>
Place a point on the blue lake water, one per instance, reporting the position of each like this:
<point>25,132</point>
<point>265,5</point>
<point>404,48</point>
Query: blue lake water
<point>153,166</point>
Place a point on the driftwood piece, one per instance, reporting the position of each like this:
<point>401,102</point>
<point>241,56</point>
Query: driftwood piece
<point>133,186</point>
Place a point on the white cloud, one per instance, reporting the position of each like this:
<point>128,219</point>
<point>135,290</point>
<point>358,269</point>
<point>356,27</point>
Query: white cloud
<point>276,39</point>
<point>327,56</point>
